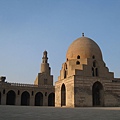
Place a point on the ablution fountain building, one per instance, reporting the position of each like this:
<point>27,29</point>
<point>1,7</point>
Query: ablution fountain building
<point>84,81</point>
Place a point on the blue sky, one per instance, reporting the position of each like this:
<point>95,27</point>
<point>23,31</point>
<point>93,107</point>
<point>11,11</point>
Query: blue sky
<point>28,27</point>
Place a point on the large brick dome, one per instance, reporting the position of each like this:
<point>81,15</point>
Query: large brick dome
<point>85,48</point>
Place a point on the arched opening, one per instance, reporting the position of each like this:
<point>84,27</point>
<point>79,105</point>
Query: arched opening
<point>39,99</point>
<point>25,98</point>
<point>97,94</point>
<point>78,57</point>
<point>92,71</point>
<point>11,97</point>
<point>94,63</point>
<point>96,71</point>
<point>65,73</point>
<point>51,99</point>
<point>65,70</point>
<point>63,95</point>
<point>93,57</point>
<point>0,98</point>
<point>77,63</point>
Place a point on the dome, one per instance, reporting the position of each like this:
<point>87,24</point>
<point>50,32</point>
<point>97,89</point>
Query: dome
<point>84,48</point>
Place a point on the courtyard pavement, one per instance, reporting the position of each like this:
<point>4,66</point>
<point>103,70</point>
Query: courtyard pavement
<point>52,113</point>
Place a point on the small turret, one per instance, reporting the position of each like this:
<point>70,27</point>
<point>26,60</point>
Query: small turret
<point>44,58</point>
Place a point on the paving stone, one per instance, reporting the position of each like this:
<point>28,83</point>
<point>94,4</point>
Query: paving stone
<point>51,113</point>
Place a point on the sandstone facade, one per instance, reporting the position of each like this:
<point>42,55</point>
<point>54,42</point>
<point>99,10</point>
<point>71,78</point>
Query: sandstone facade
<point>84,80</point>
<point>41,93</point>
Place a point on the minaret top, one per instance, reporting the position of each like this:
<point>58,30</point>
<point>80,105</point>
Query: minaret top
<point>45,58</point>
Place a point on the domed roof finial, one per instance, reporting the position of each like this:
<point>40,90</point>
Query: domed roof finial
<point>82,34</point>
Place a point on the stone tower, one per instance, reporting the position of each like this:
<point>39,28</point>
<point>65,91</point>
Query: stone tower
<point>44,77</point>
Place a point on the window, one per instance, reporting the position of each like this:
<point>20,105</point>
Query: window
<point>65,73</point>
<point>78,57</point>
<point>94,69</point>
<point>65,70</point>
<point>77,63</point>
<point>65,67</point>
<point>93,57</point>
<point>94,64</point>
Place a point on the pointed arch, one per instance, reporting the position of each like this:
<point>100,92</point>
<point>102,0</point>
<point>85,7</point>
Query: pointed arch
<point>63,95</point>
<point>25,98</point>
<point>97,94</point>
<point>65,70</point>
<point>93,72</point>
<point>51,99</point>
<point>93,57</point>
<point>77,63</point>
<point>10,98</point>
<point>95,69</point>
<point>94,63</point>
<point>65,66</point>
<point>78,57</point>
<point>39,99</point>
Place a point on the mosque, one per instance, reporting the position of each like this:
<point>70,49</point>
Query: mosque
<point>84,81</point>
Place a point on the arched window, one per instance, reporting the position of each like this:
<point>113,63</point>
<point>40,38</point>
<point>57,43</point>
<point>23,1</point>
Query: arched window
<point>63,95</point>
<point>94,63</point>
<point>65,67</point>
<point>65,73</point>
<point>78,57</point>
<point>93,57</point>
<point>95,69</point>
<point>77,63</point>
<point>65,70</point>
<point>92,71</point>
